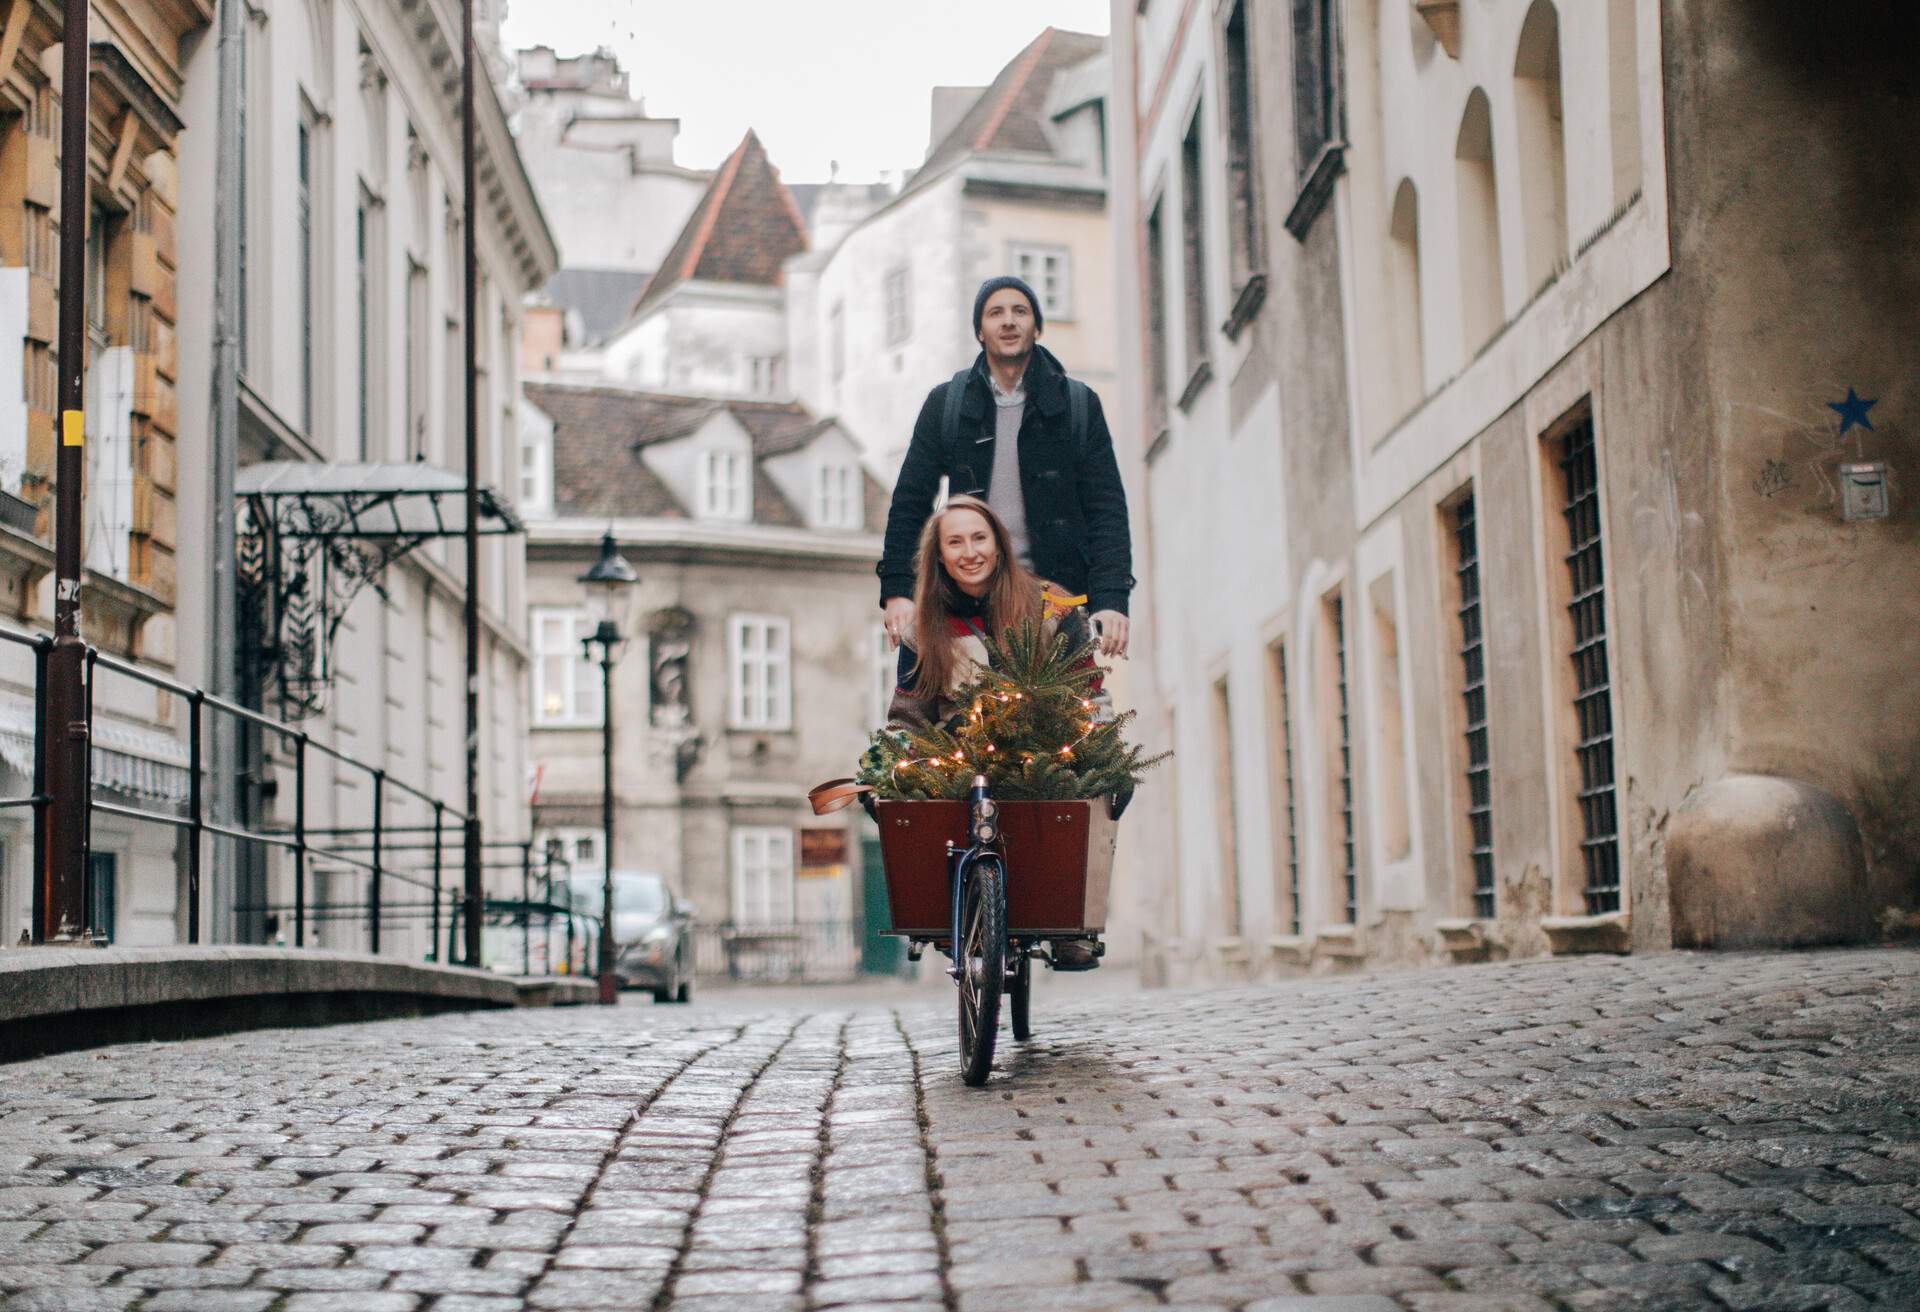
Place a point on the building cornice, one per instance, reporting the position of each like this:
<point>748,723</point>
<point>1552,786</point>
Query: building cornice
<point>499,173</point>
<point>553,537</point>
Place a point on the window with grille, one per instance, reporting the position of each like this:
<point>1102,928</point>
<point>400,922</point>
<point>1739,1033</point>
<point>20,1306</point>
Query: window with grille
<point>566,684</point>
<point>895,288</point>
<point>760,678</point>
<point>723,485</point>
<point>1225,816</point>
<point>1473,695</point>
<point>1193,224</point>
<point>1048,271</point>
<point>1282,731</point>
<point>1343,798</point>
<point>1156,316</point>
<point>762,876</point>
<point>1592,683</point>
<point>1315,117</point>
<point>1242,128</point>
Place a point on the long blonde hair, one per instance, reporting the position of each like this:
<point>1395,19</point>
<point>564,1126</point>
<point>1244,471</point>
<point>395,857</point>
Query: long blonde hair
<point>1012,599</point>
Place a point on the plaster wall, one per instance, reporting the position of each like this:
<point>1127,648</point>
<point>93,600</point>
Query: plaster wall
<point>1083,338</point>
<point>878,393</point>
<point>700,341</point>
<point>743,777</point>
<point>624,198</point>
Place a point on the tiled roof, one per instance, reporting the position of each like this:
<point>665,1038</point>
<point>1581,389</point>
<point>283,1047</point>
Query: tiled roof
<point>1009,115</point>
<point>742,231</point>
<point>597,433</point>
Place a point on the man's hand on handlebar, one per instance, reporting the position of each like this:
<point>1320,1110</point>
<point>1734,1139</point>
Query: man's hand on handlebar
<point>1111,625</point>
<point>899,619</point>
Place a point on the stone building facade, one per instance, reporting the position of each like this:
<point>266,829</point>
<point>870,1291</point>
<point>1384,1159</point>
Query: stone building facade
<point>755,667</point>
<point>132,585</point>
<point>350,343</point>
<point>1526,388</point>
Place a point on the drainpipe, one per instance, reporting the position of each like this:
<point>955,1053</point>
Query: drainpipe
<point>223,455</point>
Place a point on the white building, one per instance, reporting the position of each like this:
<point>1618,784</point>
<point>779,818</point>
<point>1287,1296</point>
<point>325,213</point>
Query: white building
<point>352,355</point>
<point>1014,182</point>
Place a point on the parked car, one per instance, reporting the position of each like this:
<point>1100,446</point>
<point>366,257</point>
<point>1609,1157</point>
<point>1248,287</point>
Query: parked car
<point>652,932</point>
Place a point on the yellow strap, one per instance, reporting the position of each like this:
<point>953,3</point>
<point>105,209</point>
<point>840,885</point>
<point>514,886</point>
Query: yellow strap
<point>1058,603</point>
<point>72,428</point>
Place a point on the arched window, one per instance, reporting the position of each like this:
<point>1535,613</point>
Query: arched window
<point>1623,96</point>
<point>1482,297</point>
<point>1543,160</point>
<point>1404,304</point>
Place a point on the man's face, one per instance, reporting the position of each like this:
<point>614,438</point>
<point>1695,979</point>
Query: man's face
<point>1006,325</point>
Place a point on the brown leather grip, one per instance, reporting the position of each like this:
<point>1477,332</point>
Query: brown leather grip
<point>835,794</point>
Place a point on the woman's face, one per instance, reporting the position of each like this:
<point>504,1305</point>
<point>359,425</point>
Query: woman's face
<point>968,551</point>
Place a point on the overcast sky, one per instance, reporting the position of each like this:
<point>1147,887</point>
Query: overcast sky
<point>819,80</point>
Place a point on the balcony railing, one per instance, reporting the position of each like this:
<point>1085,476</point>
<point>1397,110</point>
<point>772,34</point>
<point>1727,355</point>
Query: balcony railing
<point>391,884</point>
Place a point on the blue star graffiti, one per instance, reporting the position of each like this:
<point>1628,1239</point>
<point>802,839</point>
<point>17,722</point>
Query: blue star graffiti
<point>1853,411</point>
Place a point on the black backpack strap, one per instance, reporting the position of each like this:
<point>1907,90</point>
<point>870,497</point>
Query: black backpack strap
<point>1077,414</point>
<point>950,418</point>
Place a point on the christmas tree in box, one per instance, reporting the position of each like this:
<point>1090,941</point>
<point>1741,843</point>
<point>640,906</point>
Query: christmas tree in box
<point>1029,726</point>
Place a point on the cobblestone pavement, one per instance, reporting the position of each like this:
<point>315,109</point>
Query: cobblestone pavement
<point>1672,1131</point>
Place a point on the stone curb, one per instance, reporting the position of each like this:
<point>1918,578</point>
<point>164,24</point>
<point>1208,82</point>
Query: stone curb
<point>267,986</point>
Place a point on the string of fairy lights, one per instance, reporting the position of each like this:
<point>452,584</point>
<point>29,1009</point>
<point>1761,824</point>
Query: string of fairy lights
<point>973,713</point>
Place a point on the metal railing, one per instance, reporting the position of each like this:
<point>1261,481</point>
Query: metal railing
<point>409,845</point>
<point>800,951</point>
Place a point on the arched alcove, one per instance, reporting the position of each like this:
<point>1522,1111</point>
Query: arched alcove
<point>1482,296</point>
<point>1403,299</point>
<point>1542,138</point>
<point>1623,96</point>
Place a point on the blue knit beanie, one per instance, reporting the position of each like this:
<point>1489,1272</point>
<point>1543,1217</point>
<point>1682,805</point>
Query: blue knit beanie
<point>992,285</point>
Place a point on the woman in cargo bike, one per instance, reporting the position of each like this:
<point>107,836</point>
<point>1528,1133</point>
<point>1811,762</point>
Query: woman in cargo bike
<point>967,584</point>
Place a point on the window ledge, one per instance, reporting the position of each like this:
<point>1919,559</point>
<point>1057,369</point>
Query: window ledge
<point>1316,185</point>
<point>1463,939</point>
<point>1162,437</point>
<point>1202,375</point>
<point>1253,294</point>
<point>1567,935</point>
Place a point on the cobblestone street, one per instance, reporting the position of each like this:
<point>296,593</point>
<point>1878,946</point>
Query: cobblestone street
<point>1667,1131</point>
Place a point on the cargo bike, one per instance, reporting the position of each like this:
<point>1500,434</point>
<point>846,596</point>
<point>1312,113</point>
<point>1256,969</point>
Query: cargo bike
<point>993,886</point>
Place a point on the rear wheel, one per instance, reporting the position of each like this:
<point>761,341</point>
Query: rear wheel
<point>1019,996</point>
<point>982,962</point>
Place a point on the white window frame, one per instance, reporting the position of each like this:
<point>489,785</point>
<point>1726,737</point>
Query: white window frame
<point>896,299</point>
<point>724,473</point>
<point>1029,261</point>
<point>885,674</point>
<point>759,672</point>
<point>836,500</point>
<point>763,876</point>
<point>572,837</point>
<point>536,474</point>
<point>555,632</point>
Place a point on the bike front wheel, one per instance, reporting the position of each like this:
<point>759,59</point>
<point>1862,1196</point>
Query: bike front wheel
<point>982,963</point>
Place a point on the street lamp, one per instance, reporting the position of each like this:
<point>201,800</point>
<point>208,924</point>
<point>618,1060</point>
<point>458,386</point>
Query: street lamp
<point>610,579</point>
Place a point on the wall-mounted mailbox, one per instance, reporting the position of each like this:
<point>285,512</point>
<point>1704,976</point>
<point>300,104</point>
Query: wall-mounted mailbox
<point>1863,490</point>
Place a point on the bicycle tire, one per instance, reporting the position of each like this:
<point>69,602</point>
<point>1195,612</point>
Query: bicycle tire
<point>982,960</point>
<point>1020,998</point>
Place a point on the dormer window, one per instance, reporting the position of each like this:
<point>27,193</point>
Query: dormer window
<point>723,485</point>
<point>836,499</point>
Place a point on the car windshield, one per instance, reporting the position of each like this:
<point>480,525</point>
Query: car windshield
<point>632,894</point>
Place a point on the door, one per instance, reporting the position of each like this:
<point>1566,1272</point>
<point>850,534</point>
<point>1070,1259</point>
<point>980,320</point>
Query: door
<point>880,953</point>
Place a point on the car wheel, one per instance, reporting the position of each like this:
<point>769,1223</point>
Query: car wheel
<point>662,995</point>
<point>685,993</point>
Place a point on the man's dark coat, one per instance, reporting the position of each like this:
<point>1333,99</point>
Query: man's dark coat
<point>1076,506</point>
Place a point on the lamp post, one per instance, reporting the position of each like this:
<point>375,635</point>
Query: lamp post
<point>609,579</point>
